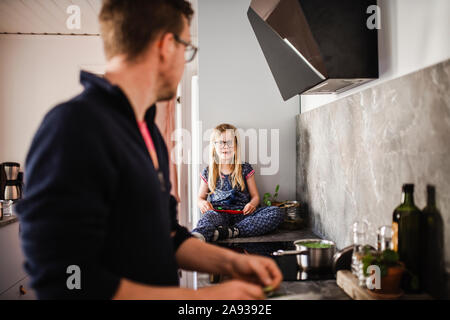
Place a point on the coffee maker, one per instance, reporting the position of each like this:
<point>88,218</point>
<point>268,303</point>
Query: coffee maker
<point>10,185</point>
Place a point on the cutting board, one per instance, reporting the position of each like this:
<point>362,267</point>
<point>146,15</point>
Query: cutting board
<point>348,282</point>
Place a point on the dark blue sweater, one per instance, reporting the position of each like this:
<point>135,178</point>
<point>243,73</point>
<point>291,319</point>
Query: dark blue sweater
<point>93,199</point>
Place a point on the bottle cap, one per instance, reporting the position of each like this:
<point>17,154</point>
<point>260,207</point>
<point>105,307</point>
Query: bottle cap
<point>408,187</point>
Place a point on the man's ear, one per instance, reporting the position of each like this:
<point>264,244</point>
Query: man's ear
<point>166,45</point>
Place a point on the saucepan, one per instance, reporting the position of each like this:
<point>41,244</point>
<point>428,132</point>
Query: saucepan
<point>312,254</point>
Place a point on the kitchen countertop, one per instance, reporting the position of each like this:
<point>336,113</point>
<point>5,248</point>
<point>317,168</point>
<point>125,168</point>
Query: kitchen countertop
<point>301,290</point>
<point>278,235</point>
<point>311,290</point>
<point>8,220</point>
<point>298,290</point>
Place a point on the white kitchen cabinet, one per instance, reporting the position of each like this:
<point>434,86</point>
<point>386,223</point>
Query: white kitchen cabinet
<point>12,273</point>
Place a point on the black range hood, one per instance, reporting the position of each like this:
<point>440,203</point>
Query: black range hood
<point>316,46</point>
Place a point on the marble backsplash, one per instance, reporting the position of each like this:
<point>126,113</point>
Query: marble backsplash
<point>354,155</point>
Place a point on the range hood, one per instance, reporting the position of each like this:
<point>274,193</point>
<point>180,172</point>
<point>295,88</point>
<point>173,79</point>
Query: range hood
<point>316,46</point>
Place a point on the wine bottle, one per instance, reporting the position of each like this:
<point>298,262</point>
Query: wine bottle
<point>406,238</point>
<point>433,264</point>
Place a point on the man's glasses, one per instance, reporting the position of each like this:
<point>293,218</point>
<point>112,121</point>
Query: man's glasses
<point>191,50</point>
<point>222,144</point>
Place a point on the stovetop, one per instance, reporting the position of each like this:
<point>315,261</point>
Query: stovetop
<point>287,264</point>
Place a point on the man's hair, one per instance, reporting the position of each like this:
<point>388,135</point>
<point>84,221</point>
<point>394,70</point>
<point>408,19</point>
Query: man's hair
<point>129,26</point>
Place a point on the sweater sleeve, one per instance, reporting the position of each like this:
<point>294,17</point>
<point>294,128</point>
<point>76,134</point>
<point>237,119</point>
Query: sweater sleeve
<point>69,183</point>
<point>181,232</point>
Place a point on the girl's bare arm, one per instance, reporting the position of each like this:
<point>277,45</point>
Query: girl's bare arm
<point>253,190</point>
<point>202,204</point>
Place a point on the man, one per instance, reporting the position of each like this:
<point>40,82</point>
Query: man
<point>98,220</point>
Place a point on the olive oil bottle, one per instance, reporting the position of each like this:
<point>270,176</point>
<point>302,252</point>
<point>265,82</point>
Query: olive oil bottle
<point>406,238</point>
<point>433,264</point>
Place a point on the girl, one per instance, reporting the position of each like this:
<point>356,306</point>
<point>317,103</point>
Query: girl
<point>235,190</point>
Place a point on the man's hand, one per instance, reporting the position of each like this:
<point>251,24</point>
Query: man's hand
<point>249,208</point>
<point>256,269</point>
<point>259,271</point>
<point>231,290</point>
<point>205,206</point>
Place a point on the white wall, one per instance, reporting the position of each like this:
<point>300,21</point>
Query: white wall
<point>414,35</point>
<point>237,87</point>
<point>37,72</point>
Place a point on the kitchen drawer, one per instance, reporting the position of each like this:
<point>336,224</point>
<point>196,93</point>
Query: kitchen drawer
<point>11,256</point>
<point>20,291</point>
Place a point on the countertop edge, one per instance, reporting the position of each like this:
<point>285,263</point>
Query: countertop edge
<point>8,220</point>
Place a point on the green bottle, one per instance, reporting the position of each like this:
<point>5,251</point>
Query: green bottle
<point>433,264</point>
<point>406,238</point>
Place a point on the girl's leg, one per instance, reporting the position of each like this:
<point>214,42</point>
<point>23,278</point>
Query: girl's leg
<point>260,222</point>
<point>209,222</point>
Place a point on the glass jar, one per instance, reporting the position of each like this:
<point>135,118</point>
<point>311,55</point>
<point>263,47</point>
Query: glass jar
<point>360,237</point>
<point>6,207</point>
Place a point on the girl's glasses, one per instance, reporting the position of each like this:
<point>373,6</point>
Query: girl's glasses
<point>222,144</point>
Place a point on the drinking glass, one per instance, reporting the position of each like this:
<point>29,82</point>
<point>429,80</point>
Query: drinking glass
<point>384,238</point>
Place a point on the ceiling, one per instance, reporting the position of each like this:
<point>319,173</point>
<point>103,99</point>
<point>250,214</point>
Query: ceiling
<point>50,17</point>
<point>47,16</point>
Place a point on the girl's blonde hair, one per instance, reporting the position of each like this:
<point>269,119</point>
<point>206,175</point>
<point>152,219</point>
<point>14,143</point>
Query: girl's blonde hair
<point>214,165</point>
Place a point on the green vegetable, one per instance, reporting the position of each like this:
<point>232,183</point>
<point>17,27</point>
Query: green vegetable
<point>316,245</point>
<point>267,289</point>
<point>270,292</point>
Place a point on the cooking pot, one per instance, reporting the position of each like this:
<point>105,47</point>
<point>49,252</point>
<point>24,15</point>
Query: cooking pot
<point>312,254</point>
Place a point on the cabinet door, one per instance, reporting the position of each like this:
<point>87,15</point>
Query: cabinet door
<point>11,257</point>
<point>20,291</point>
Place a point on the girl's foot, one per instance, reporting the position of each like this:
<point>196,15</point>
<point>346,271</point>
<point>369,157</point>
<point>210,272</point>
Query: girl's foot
<point>222,233</point>
<point>198,236</point>
<point>235,233</point>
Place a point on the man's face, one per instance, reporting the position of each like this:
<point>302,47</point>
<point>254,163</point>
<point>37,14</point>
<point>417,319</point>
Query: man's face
<point>173,70</point>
